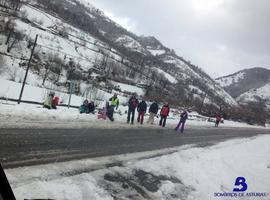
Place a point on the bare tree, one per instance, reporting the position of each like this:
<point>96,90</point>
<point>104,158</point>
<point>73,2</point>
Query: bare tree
<point>2,63</point>
<point>11,4</point>
<point>13,39</point>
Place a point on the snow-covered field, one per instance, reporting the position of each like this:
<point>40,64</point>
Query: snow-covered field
<point>186,173</point>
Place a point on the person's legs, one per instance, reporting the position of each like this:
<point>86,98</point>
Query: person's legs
<point>142,116</point>
<point>128,117</point>
<point>182,127</point>
<point>139,116</point>
<point>148,121</point>
<point>178,125</point>
<point>161,119</point>
<point>111,118</point>
<point>47,106</point>
<point>152,118</point>
<point>132,117</point>
<point>164,121</point>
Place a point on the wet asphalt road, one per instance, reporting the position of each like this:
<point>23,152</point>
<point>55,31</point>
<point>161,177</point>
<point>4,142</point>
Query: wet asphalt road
<point>23,147</point>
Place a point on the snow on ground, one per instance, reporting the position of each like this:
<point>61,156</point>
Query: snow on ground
<point>129,42</point>
<point>195,173</point>
<point>128,88</point>
<point>11,90</point>
<point>231,79</point>
<point>168,76</point>
<point>263,92</point>
<point>156,52</point>
<point>214,169</point>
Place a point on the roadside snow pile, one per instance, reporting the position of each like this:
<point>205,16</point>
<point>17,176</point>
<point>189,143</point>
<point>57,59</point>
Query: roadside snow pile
<point>215,169</point>
<point>189,173</point>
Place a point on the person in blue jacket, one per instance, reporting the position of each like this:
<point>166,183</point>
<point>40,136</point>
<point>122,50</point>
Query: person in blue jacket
<point>84,108</point>
<point>153,110</point>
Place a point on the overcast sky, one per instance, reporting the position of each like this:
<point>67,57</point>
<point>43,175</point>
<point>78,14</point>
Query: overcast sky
<point>220,36</point>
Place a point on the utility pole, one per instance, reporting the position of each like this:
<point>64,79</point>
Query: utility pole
<point>27,69</point>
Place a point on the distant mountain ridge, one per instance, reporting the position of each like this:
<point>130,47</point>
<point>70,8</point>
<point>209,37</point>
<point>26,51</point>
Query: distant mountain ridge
<point>247,84</point>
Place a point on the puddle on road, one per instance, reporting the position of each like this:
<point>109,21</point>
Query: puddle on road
<point>144,185</point>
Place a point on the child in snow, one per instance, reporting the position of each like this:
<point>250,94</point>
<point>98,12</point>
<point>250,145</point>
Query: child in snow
<point>48,101</point>
<point>55,102</point>
<point>84,107</point>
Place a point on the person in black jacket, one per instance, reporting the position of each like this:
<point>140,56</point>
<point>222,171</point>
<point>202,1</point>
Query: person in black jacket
<point>91,107</point>
<point>153,110</point>
<point>183,118</point>
<point>132,105</point>
<point>142,107</point>
<point>109,112</point>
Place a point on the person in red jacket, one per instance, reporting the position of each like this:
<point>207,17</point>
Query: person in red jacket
<point>218,119</point>
<point>55,102</point>
<point>164,112</point>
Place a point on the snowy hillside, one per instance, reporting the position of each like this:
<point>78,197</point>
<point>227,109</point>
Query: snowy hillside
<point>227,81</point>
<point>262,92</point>
<point>97,54</point>
<point>248,85</point>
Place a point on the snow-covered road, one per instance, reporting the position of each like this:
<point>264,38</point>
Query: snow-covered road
<point>20,147</point>
<point>187,173</point>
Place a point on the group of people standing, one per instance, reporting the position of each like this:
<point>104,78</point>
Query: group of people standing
<point>87,107</point>
<point>134,105</point>
<point>141,107</point>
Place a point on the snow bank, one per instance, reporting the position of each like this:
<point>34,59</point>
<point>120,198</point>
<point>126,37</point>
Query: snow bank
<point>215,169</point>
<point>202,171</point>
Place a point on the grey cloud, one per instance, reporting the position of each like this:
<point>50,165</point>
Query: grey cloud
<point>221,39</point>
